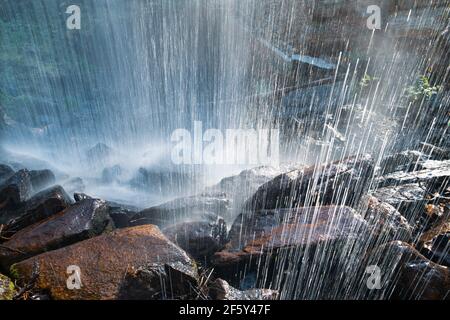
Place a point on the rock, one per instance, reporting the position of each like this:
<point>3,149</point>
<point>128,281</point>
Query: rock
<point>405,161</point>
<point>408,275</point>
<point>438,249</point>
<point>5,172</point>
<point>385,221</point>
<point>408,199</point>
<point>327,184</point>
<point>41,179</point>
<point>74,185</point>
<point>83,220</point>
<point>203,207</point>
<point>221,290</point>
<point>264,241</point>
<point>39,207</point>
<point>432,172</point>
<point>7,288</point>
<point>198,238</point>
<point>14,191</point>
<point>81,196</point>
<point>174,280</point>
<point>105,263</point>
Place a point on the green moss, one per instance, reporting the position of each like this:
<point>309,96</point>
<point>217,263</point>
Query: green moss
<point>14,272</point>
<point>7,288</point>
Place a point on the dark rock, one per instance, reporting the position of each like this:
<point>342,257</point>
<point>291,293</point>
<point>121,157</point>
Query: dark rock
<point>121,216</point>
<point>438,249</point>
<point>39,207</point>
<point>6,172</point>
<point>83,220</point>
<point>104,263</point>
<point>14,191</point>
<point>41,179</point>
<point>221,290</point>
<point>408,275</point>
<point>203,207</point>
<point>385,221</point>
<point>7,288</point>
<point>81,196</point>
<point>264,240</point>
<point>175,280</point>
<point>329,184</point>
<point>200,239</point>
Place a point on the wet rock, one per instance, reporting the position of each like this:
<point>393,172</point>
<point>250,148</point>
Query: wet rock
<point>41,179</point>
<point>104,263</point>
<point>385,221</point>
<point>432,172</point>
<point>5,172</point>
<point>7,288</point>
<point>74,185</point>
<point>174,280</point>
<point>81,196</point>
<point>221,290</point>
<point>408,199</point>
<point>438,249</point>
<point>263,239</point>
<point>83,220</point>
<point>329,184</point>
<point>203,207</point>
<point>198,238</point>
<point>408,275</point>
<point>39,207</point>
<point>13,191</point>
<point>405,161</point>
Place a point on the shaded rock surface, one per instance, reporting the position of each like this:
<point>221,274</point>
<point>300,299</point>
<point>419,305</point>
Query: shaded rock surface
<point>13,191</point>
<point>203,207</point>
<point>198,238</point>
<point>83,220</point>
<point>386,221</point>
<point>41,179</point>
<point>221,290</point>
<point>406,274</point>
<point>174,280</point>
<point>104,262</point>
<point>5,172</point>
<point>327,184</point>
<point>39,207</point>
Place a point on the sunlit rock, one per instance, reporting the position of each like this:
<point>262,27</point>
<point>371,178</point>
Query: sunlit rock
<point>83,220</point>
<point>104,263</point>
<point>221,290</point>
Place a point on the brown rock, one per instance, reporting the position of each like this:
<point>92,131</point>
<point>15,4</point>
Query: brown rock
<point>83,220</point>
<point>13,191</point>
<point>103,262</point>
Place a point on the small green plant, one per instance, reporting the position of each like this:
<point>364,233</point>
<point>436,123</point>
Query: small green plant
<point>422,89</point>
<point>367,80</point>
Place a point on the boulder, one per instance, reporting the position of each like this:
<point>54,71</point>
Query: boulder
<point>174,280</point>
<point>221,290</point>
<point>342,183</point>
<point>277,242</point>
<point>385,221</point>
<point>14,191</point>
<point>111,174</point>
<point>405,161</point>
<point>7,288</point>
<point>5,172</point>
<point>408,275</point>
<point>203,207</point>
<point>39,207</point>
<point>41,179</point>
<point>408,199</point>
<point>198,238</point>
<point>83,220</point>
<point>105,263</point>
